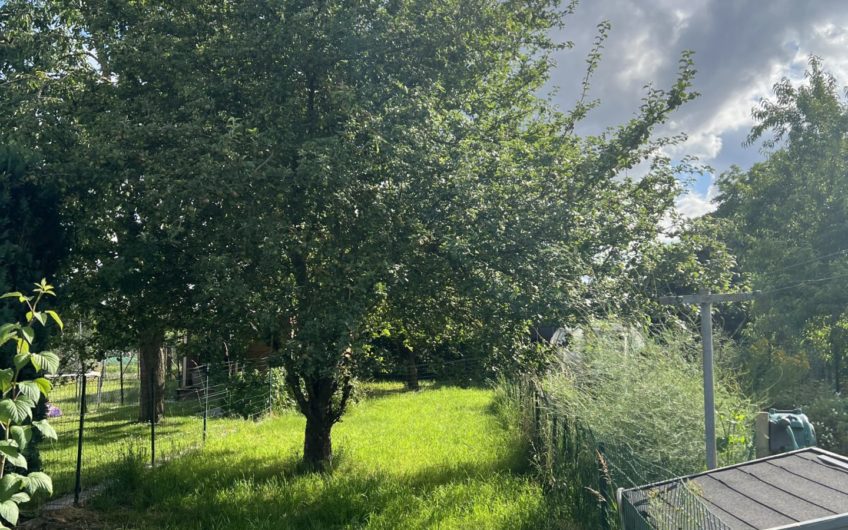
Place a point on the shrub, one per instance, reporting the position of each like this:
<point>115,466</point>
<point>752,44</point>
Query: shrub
<point>251,394</point>
<point>829,415</point>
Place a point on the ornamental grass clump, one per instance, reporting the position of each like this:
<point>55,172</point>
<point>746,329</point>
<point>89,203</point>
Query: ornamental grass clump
<point>621,409</point>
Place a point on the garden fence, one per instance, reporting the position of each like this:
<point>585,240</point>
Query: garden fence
<point>583,472</point>
<point>96,416</point>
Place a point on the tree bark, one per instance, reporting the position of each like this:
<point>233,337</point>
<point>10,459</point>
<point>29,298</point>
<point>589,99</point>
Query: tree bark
<point>151,364</point>
<point>314,398</point>
<point>317,444</point>
<point>411,369</point>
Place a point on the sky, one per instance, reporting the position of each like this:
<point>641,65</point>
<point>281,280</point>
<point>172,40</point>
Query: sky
<point>742,48</point>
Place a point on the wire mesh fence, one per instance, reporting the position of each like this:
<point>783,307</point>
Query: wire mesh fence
<point>671,506</point>
<point>96,415</point>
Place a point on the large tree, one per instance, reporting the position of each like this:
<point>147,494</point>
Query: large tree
<point>315,168</point>
<point>789,214</point>
<point>410,158</point>
<point>35,44</point>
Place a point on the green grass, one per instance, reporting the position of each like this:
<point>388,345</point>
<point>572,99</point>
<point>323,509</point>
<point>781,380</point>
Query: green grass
<point>112,430</point>
<point>433,459</point>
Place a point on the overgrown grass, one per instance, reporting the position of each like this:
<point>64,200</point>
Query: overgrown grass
<point>622,409</point>
<point>432,459</point>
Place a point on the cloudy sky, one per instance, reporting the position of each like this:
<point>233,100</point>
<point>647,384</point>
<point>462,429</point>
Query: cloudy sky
<point>742,48</point>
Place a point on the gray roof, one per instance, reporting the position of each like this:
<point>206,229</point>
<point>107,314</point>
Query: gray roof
<point>779,490</point>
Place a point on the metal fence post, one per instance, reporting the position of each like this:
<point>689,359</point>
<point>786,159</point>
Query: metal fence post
<point>121,370</point>
<point>78,482</point>
<point>205,401</point>
<point>152,409</point>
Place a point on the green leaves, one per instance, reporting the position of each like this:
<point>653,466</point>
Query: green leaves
<point>44,385</point>
<point>9,511</point>
<point>55,316</point>
<point>16,410</point>
<point>9,449</point>
<point>47,361</point>
<point>45,429</point>
<point>21,359</point>
<point>6,377</point>
<point>18,401</point>
<point>16,294</point>
<point>30,389</point>
<point>8,332</point>
<point>28,334</point>
<point>22,434</point>
<point>38,481</point>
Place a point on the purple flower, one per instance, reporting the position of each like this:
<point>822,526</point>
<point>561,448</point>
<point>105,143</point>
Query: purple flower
<point>53,411</point>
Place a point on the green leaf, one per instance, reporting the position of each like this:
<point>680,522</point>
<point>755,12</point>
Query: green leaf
<point>30,389</point>
<point>15,294</point>
<point>45,429</point>
<point>17,410</point>
<point>22,434</point>
<point>21,497</point>
<point>55,316</point>
<point>38,315</point>
<point>44,385</point>
<point>46,360</point>
<point>10,484</point>
<point>9,511</point>
<point>29,333</point>
<point>8,332</point>
<point>6,377</point>
<point>21,359</point>
<point>9,449</point>
<point>38,481</point>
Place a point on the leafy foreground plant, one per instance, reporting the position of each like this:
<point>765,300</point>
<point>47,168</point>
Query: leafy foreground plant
<point>20,394</point>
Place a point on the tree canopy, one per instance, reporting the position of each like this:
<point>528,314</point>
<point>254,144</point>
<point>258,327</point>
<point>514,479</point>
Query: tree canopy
<point>789,216</point>
<point>316,171</point>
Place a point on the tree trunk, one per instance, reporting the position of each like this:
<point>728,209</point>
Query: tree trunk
<point>411,370</point>
<point>314,397</point>
<point>317,444</point>
<point>151,367</point>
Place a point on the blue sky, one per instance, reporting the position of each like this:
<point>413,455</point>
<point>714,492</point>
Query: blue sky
<point>742,48</point>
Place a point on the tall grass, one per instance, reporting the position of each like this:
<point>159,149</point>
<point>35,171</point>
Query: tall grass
<point>618,410</point>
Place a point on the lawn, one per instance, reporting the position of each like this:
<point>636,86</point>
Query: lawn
<point>112,430</point>
<point>438,458</point>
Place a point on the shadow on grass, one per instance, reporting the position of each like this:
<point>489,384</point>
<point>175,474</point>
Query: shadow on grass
<point>234,487</point>
<point>228,487</point>
<point>256,493</point>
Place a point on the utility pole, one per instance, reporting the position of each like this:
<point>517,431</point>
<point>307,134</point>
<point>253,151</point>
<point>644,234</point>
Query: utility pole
<point>706,300</point>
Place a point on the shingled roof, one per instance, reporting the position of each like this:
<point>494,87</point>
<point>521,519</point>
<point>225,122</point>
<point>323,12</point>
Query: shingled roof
<point>807,488</point>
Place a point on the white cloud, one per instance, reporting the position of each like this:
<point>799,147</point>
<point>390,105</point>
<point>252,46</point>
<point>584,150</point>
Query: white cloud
<point>742,48</point>
<point>692,204</point>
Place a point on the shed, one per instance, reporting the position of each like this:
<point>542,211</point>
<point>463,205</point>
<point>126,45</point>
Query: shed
<point>803,489</point>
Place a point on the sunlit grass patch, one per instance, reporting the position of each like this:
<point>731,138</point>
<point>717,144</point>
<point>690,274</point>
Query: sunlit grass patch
<point>431,459</point>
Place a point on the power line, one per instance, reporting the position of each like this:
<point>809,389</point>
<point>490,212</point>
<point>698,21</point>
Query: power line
<point>813,260</point>
<point>804,282</point>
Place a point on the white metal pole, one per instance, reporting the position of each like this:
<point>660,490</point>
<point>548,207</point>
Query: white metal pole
<point>709,397</point>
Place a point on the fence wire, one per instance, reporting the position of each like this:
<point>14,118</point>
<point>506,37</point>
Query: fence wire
<point>583,471</point>
<point>672,506</point>
<point>198,404</point>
